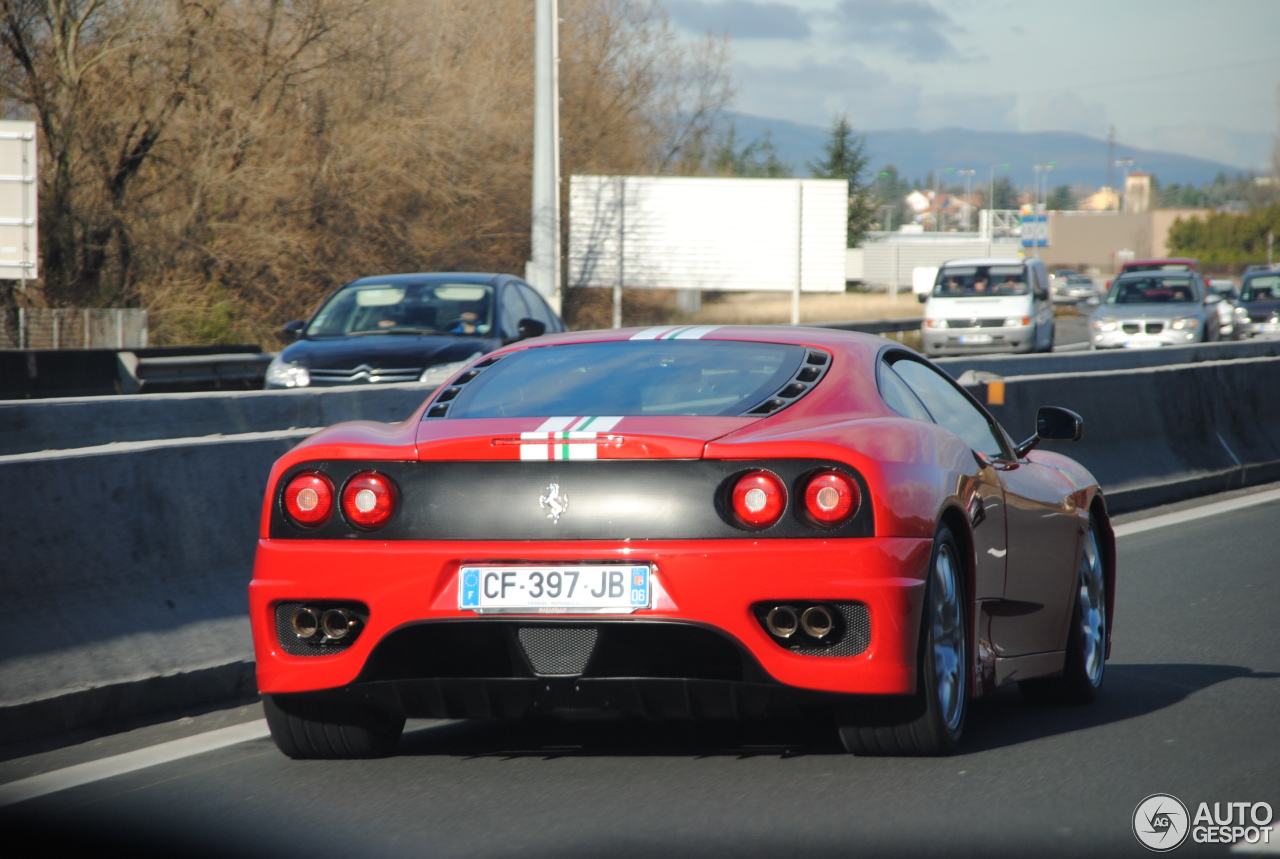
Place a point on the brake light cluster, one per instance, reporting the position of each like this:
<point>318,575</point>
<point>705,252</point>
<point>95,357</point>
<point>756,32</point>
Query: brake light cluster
<point>368,499</point>
<point>830,498</point>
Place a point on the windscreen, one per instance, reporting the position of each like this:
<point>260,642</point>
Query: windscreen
<point>980,280</point>
<point>645,377</point>
<point>406,308</point>
<point>1265,288</point>
<point>1152,290</point>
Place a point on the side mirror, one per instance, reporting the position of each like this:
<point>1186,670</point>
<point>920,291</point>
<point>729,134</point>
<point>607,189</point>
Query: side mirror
<point>1092,301</point>
<point>292,330</point>
<point>1053,424</point>
<point>530,328</point>
<point>922,297</point>
<point>1212,298</point>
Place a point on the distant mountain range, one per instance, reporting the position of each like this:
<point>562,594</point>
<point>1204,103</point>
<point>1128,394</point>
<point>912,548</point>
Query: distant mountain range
<point>1080,160</point>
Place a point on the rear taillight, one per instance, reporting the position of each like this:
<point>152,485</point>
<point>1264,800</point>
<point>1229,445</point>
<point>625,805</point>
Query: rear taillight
<point>369,499</point>
<point>831,498</point>
<point>758,499</point>
<point>308,499</point>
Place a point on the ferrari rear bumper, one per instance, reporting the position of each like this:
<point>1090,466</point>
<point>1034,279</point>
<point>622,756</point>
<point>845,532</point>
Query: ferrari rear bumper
<point>418,652</point>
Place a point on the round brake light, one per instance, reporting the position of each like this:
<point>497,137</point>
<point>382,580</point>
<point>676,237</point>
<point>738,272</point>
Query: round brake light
<point>758,499</point>
<point>831,498</point>
<point>369,499</point>
<point>308,499</point>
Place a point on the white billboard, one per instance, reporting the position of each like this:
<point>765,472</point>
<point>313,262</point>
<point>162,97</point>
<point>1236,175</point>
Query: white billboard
<point>675,232</point>
<point>19,250</point>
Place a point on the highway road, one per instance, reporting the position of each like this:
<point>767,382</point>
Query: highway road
<point>1190,707</point>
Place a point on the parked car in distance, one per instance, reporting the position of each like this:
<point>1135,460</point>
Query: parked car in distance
<point>409,328</point>
<point>1074,289</point>
<point>1227,290</point>
<point>1257,312</point>
<point>1153,309</point>
<point>988,305</point>
<point>707,522</point>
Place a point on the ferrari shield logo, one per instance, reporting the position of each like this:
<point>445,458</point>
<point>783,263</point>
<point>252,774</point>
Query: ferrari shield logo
<point>555,502</point>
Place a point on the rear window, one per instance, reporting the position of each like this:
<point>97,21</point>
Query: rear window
<point>645,377</point>
<point>980,280</point>
<point>1152,290</point>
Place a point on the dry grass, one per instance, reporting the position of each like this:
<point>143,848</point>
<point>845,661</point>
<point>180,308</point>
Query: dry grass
<point>758,308</point>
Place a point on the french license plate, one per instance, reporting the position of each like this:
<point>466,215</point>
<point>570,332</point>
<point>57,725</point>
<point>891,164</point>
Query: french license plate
<point>1271,326</point>
<point>1143,344</point>
<point>974,339</point>
<point>599,588</point>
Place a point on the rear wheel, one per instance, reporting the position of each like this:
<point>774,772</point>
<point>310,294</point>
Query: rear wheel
<point>934,720</point>
<point>306,727</point>
<point>1086,639</point>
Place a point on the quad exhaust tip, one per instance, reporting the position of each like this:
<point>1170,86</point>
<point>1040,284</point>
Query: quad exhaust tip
<point>817,621</point>
<point>782,621</point>
<point>305,623</point>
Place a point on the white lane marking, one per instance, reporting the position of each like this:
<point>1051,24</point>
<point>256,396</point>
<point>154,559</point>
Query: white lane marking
<point>1195,513</point>
<point>74,776</point>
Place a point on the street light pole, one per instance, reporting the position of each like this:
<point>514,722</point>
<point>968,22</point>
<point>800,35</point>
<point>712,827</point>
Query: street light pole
<point>967,173</point>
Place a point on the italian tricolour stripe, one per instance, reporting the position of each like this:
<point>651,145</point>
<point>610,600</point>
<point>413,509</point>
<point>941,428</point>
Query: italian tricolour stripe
<point>677,332</point>
<point>574,437</point>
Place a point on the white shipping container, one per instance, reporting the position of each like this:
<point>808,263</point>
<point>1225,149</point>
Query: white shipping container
<point>707,233</point>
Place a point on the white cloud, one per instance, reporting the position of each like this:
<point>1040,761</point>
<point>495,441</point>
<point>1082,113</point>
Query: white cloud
<point>742,19</point>
<point>915,29</point>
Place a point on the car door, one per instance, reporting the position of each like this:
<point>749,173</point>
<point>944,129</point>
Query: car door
<point>943,402</point>
<point>1042,529</point>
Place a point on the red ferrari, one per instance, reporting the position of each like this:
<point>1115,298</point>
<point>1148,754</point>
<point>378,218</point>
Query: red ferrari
<point>705,522</point>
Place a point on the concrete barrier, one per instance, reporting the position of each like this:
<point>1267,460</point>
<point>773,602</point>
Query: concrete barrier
<point>1158,434</point>
<point>1108,360</point>
<point>72,422</point>
<point>124,578</point>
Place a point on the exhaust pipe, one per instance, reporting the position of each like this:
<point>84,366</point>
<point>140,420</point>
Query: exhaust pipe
<point>817,621</point>
<point>336,623</point>
<point>782,621</point>
<point>305,623</point>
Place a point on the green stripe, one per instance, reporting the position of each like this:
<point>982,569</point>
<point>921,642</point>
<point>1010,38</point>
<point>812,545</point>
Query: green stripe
<point>590,420</point>
<point>564,452</point>
<point>677,332</point>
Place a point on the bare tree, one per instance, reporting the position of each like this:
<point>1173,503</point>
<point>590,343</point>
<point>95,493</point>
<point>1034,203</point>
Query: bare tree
<point>226,163</point>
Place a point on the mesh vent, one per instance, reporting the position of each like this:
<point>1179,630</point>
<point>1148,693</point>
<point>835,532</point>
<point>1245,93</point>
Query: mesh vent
<point>557,651</point>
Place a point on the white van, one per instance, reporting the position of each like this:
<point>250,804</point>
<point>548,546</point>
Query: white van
<point>988,305</point>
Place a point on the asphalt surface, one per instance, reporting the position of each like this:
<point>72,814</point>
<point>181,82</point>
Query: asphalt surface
<point>1190,707</point>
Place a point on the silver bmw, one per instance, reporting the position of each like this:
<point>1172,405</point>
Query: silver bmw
<point>1155,309</point>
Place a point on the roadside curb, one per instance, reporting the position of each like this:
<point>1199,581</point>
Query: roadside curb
<point>117,702</point>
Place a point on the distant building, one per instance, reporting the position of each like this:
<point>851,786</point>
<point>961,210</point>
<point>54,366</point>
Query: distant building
<point>1107,199</point>
<point>1137,193</point>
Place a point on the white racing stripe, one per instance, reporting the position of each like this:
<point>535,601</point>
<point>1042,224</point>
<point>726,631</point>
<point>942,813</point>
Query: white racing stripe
<point>74,776</point>
<point>1194,513</point>
<point>574,437</point>
<point>675,332</point>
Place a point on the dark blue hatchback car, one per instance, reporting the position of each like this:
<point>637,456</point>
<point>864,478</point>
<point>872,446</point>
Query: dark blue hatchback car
<point>409,328</point>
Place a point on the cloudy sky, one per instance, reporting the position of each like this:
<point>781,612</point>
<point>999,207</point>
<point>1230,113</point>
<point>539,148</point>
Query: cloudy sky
<point>1198,77</point>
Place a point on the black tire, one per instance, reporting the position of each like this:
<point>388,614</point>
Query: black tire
<point>931,723</point>
<point>306,727</point>
<point>1085,664</point>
